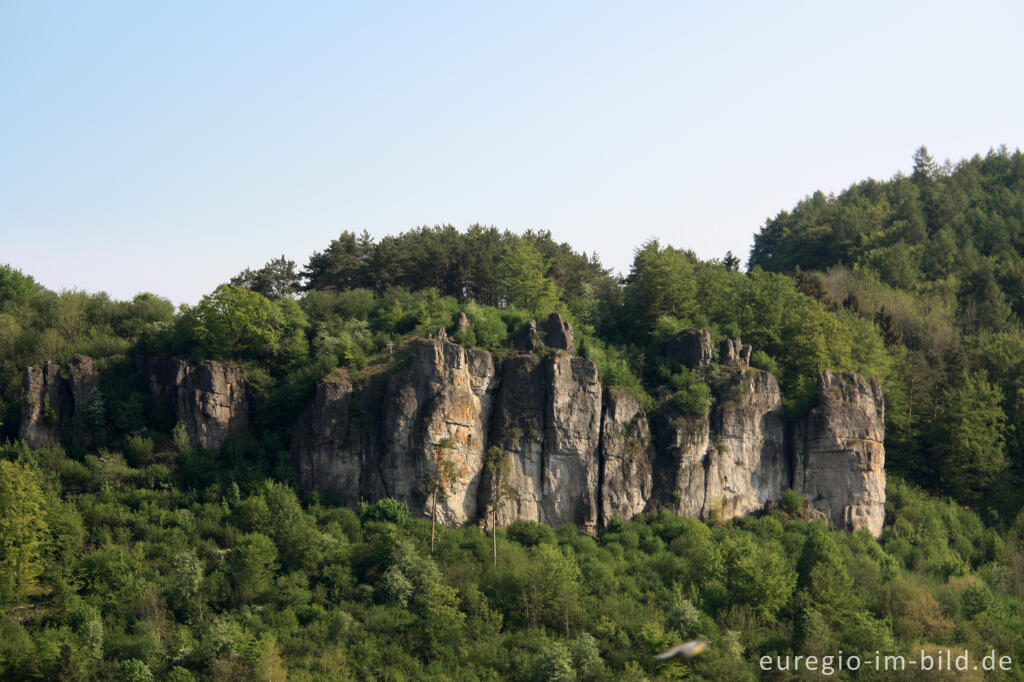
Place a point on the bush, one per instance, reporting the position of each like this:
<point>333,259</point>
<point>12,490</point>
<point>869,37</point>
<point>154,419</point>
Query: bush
<point>138,450</point>
<point>388,510</point>
<point>793,501</point>
<point>530,533</point>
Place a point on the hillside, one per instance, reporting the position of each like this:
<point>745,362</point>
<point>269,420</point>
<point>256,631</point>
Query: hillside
<point>244,488</point>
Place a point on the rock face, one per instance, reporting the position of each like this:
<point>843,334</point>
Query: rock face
<point>731,461</point>
<point>627,457</point>
<point>582,455</point>
<point>445,394</point>
<point>558,333</point>
<point>839,454</point>
<point>210,398</point>
<point>690,347</point>
<point>571,436</point>
<point>749,465</point>
<point>51,400</point>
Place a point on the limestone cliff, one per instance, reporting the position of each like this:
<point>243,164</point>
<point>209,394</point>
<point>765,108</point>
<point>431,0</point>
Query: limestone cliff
<point>578,454</point>
<point>839,454</point>
<point>626,457</point>
<point>581,455</point>
<point>210,398</point>
<point>50,400</point>
<point>444,395</point>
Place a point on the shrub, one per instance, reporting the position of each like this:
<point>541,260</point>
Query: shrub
<point>793,501</point>
<point>388,510</point>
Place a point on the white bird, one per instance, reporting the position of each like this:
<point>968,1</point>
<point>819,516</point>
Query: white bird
<point>686,651</point>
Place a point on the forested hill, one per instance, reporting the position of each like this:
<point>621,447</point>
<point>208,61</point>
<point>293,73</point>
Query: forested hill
<point>936,261</point>
<point>130,552</point>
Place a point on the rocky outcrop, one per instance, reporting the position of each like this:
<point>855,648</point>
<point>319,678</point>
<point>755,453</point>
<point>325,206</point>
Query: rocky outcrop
<point>582,455</point>
<point>558,333</point>
<point>527,339</point>
<point>733,353</point>
<point>50,400</point>
<point>839,453</point>
<point>445,396</point>
<point>210,398</point>
<point>749,465</point>
<point>627,457</point>
<point>691,348</point>
<point>518,426</point>
<point>571,436</point>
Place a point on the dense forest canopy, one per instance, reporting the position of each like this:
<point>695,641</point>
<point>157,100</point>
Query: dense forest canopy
<point>130,553</point>
<point>936,261</point>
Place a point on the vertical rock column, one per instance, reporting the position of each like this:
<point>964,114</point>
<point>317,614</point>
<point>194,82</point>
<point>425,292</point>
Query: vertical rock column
<point>839,462</point>
<point>571,435</point>
<point>627,456</point>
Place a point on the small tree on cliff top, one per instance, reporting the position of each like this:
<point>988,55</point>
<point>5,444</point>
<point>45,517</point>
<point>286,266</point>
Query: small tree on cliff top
<point>497,466</point>
<point>438,482</point>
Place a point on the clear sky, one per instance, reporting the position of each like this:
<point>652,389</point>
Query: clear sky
<point>165,146</point>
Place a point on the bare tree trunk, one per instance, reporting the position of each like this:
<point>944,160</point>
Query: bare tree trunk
<point>494,533</point>
<point>433,520</point>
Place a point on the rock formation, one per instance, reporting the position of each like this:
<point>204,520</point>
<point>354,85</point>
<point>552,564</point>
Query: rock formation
<point>839,453</point>
<point>51,400</point>
<point>558,333</point>
<point>578,454</point>
<point>627,456</point>
<point>690,347</point>
<point>581,455</point>
<point>210,398</point>
<point>444,395</point>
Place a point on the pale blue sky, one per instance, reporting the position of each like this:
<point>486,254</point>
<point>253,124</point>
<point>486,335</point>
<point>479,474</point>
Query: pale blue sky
<point>165,146</point>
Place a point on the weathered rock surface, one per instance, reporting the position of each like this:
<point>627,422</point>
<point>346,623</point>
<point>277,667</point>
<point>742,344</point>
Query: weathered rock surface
<point>749,464</point>
<point>461,323</point>
<point>518,427</point>
<point>582,455</point>
<point>839,453</point>
<point>682,445</point>
<point>558,333</point>
<point>571,437</point>
<point>690,347</point>
<point>445,394</point>
<point>627,457</point>
<point>527,339</point>
<point>50,400</point>
<point>210,398</point>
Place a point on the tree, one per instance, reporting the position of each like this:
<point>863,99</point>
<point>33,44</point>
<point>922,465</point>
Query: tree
<point>277,279</point>
<point>661,282</point>
<point>438,482</point>
<point>23,530</point>
<point>523,280</point>
<point>969,438</point>
<point>497,465</point>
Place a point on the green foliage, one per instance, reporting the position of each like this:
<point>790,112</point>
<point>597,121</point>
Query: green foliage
<point>387,510</point>
<point>692,396</point>
<point>793,501</point>
<point>23,530</point>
